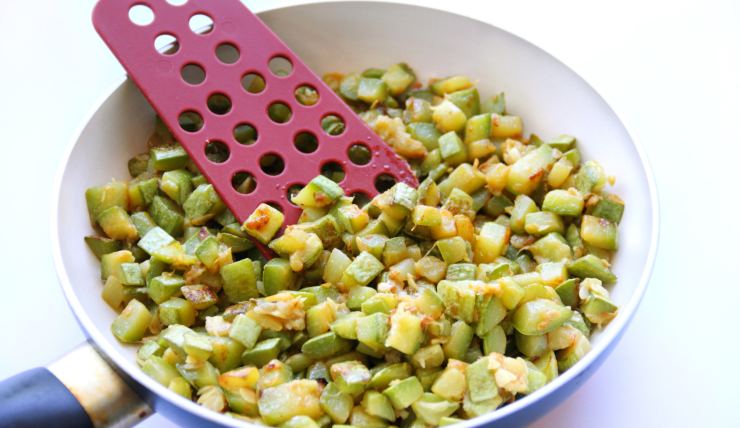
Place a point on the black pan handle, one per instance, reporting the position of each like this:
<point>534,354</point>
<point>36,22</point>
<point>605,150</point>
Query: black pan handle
<point>79,390</point>
<point>37,398</point>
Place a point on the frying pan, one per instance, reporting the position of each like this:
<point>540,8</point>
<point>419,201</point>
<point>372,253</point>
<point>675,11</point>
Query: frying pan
<point>100,384</point>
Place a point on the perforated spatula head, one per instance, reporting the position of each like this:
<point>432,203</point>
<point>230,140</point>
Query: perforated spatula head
<point>225,93</point>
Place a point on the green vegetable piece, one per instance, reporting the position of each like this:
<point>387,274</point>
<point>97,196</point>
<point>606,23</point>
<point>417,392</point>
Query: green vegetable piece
<point>563,202</point>
<point>494,341</point>
<point>164,286</point>
<point>403,393</point>
<point>491,312</point>
<point>359,418</point>
<point>425,132</point>
<point>197,346</point>
<point>531,346</point>
<point>607,206</point>
<point>495,104</point>
<point>381,302</point>
<point>540,316</point>
<point>523,205</point>
<point>131,274</point>
<point>569,356</point>
<point>167,158</point>
<point>452,149</point>
<point>477,127</point>
<point>167,215</point>
<point>459,299</point>
<point>599,232</point>
<point>264,223</point>
<point>299,421</point>
<point>296,398</point>
<point>141,192</point>
<point>429,303</point>
<point>473,409</point>
<point>277,276</point>
<point>590,266</point>
<point>358,295</point>
<point>101,246</point>
<point>262,353</point>
<point>590,178</point>
<point>372,90</point>
<point>451,383</point>
<point>382,377</point>
<point>526,173</point>
<point>363,269</point>
<point>350,376</point>
<point>460,272</point>
<point>143,222</point>
<point>406,333</point>
<point>177,185</point>
<point>116,223</point>
<point>325,345</point>
<point>349,85</point>
<point>568,292</point>
<point>336,403</point>
<point>376,404</point>
<point>159,369</point>
<point>459,341</point>
<point>155,239</point>
<point>319,192</point>
<point>245,330</point>
<point>543,222</point>
<point>428,357</point>
<point>398,77</point>
<point>551,248</point>
<point>480,380</point>
<point>454,249</point>
<point>101,198</point>
<point>132,323</point>
<point>202,205</point>
<point>467,100</point>
<point>444,421</point>
<point>237,243</point>
<point>240,280</point>
<point>177,311</point>
<point>372,330</point>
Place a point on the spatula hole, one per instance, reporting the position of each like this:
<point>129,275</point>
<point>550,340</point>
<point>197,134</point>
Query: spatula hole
<point>245,133</point>
<point>219,103</point>
<point>359,154</point>
<point>253,82</point>
<point>306,142</point>
<point>166,44</point>
<point>200,23</point>
<point>333,171</point>
<point>141,15</point>
<point>177,2</point>
<point>243,182</point>
<point>384,182</point>
<point>292,191</point>
<point>279,112</point>
<point>275,205</point>
<point>227,53</point>
<point>306,95</point>
<point>280,66</point>
<point>217,151</point>
<point>272,164</point>
<point>193,74</point>
<point>360,198</point>
<point>332,124</point>
<point>190,121</point>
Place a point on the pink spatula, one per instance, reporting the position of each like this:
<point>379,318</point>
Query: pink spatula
<point>208,90</point>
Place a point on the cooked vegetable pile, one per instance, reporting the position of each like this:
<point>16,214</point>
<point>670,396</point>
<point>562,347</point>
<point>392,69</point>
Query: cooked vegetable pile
<point>419,308</point>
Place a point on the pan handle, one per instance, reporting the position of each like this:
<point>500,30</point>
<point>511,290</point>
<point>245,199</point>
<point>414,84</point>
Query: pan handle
<point>78,390</point>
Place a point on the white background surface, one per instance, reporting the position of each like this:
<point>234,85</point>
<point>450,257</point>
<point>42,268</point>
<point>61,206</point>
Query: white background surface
<point>671,70</point>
